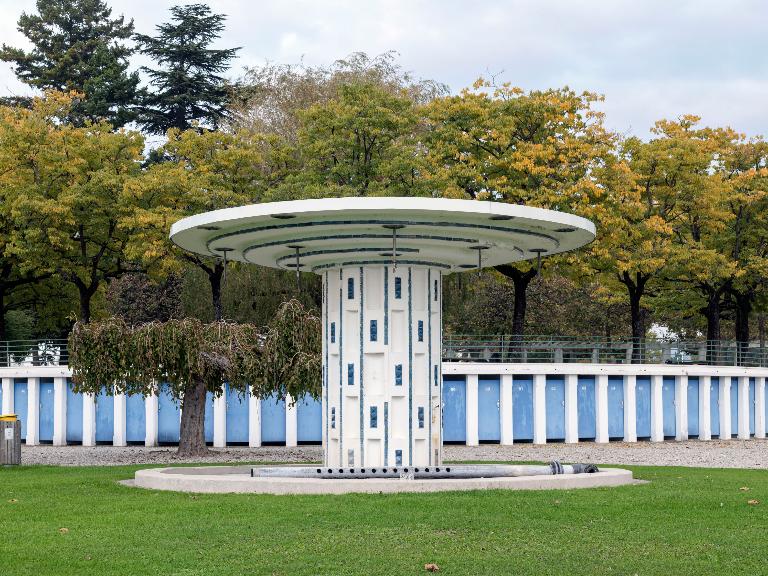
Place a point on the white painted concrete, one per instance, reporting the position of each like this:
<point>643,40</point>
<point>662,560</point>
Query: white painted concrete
<point>657,408</point>
<point>221,480</point>
<point>630,408</point>
<point>33,411</point>
<point>760,407</point>
<point>705,408</point>
<point>119,421</point>
<point>505,397</point>
<point>291,422</point>
<point>539,409</point>
<point>89,420</point>
<point>151,414</point>
<point>571,409</point>
<point>681,407</point>
<point>601,392</point>
<point>254,421</point>
<point>8,407</point>
<point>220,421</point>
<point>472,411</point>
<point>743,408</point>
<point>725,408</point>
<point>59,411</point>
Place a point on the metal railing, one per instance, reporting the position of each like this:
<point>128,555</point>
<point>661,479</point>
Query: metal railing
<point>47,352</point>
<point>558,349</point>
<point>499,348</point>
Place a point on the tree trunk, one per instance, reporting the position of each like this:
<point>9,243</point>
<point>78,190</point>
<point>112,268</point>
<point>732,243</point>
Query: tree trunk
<point>192,434</point>
<point>521,281</point>
<point>636,290</point>
<point>215,277</point>
<point>712,313</point>
<point>743,312</point>
<point>85,306</point>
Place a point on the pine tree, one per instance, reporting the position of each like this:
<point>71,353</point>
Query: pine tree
<point>77,46</point>
<point>188,85</point>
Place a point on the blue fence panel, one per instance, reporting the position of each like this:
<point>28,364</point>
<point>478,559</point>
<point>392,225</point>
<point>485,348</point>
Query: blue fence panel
<point>454,409</point>
<point>237,416</point>
<point>167,417</point>
<point>74,415</point>
<point>20,404</point>
<point>208,421</point>
<point>714,406</point>
<point>734,405</point>
<point>752,406</point>
<point>585,407</point>
<point>643,406</point>
<point>693,407</point>
<point>488,413</point>
<point>135,419</point>
<point>105,417</point>
<point>555,405</point>
<point>522,408</point>
<point>45,422</point>
<point>615,406</point>
<point>310,420</point>
<point>668,404</point>
<point>272,420</point>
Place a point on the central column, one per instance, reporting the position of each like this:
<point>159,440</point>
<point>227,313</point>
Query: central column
<point>382,384</point>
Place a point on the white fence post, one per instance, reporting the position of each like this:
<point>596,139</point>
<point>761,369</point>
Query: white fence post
<point>539,409</point>
<point>505,410</point>
<point>571,409</point>
<point>657,409</point>
<point>601,407</point>
<point>292,422</point>
<point>705,408</point>
<point>725,408</point>
<point>220,421</point>
<point>760,407</point>
<point>89,420</point>
<point>119,421</point>
<point>60,411</point>
<point>630,408</point>
<point>8,396</point>
<point>681,407</point>
<point>33,411</point>
<point>471,418</point>
<point>150,412</point>
<point>743,408</point>
<point>254,421</point>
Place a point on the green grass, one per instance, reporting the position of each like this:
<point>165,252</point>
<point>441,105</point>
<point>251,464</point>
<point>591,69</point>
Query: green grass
<point>685,521</point>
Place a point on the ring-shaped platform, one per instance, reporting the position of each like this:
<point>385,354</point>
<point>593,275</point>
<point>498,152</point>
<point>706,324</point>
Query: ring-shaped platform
<point>315,235</point>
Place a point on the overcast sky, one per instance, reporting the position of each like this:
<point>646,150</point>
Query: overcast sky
<point>651,59</point>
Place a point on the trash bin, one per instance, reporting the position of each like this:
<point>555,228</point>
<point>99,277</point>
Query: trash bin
<point>10,440</point>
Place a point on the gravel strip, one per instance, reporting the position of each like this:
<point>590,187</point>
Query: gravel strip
<point>714,454</point>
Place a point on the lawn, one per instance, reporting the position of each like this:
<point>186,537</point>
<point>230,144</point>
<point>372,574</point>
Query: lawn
<point>685,521</point>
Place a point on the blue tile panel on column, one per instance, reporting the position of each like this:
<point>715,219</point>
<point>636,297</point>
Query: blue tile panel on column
<point>309,417</point>
<point>615,407</point>
<point>555,406</point>
<point>20,403</point>
<point>714,406</point>
<point>522,408</point>
<point>167,417</point>
<point>454,409</point>
<point>45,422</point>
<point>734,382</point>
<point>135,419</point>
<point>585,403</point>
<point>237,416</point>
<point>105,417</point>
<point>668,406</point>
<point>74,415</point>
<point>643,406</point>
<point>488,414</point>
<point>208,420</point>
<point>693,406</point>
<point>272,420</point>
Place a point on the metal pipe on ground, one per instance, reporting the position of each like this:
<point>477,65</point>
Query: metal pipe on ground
<point>430,472</point>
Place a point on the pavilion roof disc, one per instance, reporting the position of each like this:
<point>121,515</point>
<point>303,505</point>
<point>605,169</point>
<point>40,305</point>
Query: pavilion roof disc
<point>341,231</point>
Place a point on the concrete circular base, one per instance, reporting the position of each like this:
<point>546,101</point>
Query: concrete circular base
<point>237,479</point>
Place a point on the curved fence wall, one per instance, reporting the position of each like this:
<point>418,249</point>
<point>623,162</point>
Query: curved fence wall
<point>482,402</point>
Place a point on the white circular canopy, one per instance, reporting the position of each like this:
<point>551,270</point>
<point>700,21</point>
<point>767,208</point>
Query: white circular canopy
<point>453,235</point>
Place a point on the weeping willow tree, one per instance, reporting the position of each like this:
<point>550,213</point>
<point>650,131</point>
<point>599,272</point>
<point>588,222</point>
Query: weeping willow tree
<point>192,358</point>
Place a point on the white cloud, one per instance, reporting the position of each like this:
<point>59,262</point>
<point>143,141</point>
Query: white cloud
<point>651,58</point>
